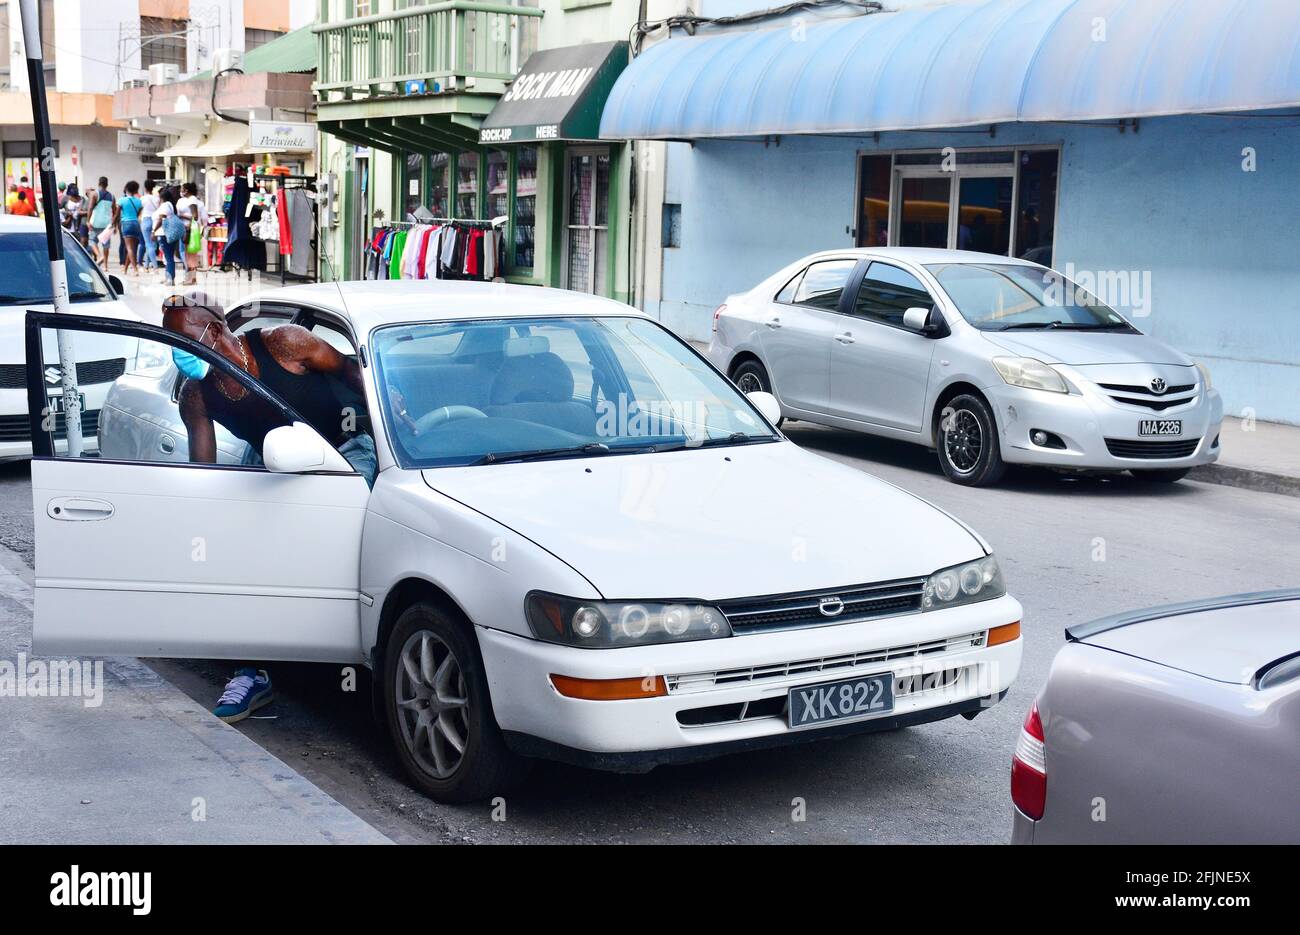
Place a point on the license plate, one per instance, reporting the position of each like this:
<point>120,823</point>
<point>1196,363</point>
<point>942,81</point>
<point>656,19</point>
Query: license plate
<point>1160,427</point>
<point>56,404</point>
<point>868,696</point>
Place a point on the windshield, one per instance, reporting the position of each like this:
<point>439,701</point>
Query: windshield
<point>1006,296</point>
<point>479,392</point>
<point>25,271</point>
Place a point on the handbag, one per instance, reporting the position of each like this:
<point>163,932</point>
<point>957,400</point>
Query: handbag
<point>173,228</point>
<point>102,216</point>
<point>195,242</point>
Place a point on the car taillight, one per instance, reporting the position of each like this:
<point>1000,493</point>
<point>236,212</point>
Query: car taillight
<point>1029,767</point>
<point>717,312</point>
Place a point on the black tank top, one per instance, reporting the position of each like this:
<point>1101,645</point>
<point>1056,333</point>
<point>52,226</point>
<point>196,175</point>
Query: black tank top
<point>312,395</point>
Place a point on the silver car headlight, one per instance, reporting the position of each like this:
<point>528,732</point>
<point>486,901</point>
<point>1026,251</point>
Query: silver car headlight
<point>1030,373</point>
<point>980,580</point>
<point>617,624</point>
<point>1205,375</point>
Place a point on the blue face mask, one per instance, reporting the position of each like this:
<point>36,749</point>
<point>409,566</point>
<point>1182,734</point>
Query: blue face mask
<point>196,368</point>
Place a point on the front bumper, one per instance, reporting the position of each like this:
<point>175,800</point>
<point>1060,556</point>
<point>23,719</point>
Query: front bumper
<point>958,674</point>
<point>1084,422</point>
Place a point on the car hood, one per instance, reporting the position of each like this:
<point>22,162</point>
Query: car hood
<point>1078,348</point>
<point>714,523</point>
<point>13,322</point>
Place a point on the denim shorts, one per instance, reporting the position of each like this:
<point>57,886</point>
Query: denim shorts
<point>131,228</point>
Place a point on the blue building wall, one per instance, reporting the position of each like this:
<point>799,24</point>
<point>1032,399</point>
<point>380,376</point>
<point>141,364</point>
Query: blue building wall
<point>1222,245</point>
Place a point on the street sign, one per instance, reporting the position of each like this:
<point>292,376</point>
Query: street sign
<point>140,144</point>
<point>277,135</point>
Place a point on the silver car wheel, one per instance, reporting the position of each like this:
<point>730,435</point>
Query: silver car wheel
<point>963,441</point>
<point>432,704</point>
<point>750,383</point>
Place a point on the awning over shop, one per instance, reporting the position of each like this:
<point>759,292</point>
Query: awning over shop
<point>965,64</point>
<point>557,95</point>
<point>187,145</point>
<point>224,139</point>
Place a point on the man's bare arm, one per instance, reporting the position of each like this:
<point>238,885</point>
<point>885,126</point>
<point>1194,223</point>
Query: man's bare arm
<point>300,351</point>
<point>198,424</point>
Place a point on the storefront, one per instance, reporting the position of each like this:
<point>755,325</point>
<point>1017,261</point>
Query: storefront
<point>949,127</point>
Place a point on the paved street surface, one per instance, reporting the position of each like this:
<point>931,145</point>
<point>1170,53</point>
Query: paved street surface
<point>1071,550</point>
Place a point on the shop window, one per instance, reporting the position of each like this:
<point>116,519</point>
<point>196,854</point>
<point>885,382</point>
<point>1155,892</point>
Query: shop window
<point>525,207</point>
<point>498,184</point>
<point>672,233</point>
<point>439,164</point>
<point>412,179</point>
<point>467,185</point>
<point>163,41</point>
<point>587,221</point>
<point>873,210</point>
<point>1036,211</point>
<point>984,214</point>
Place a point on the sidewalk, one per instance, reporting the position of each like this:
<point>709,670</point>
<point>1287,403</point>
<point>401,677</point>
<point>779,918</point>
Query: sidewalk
<point>145,292</point>
<point>143,766</point>
<point>1258,456</point>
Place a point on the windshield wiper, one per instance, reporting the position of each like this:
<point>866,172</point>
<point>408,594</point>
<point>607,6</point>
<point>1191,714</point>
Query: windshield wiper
<point>85,294</point>
<point>735,438</point>
<point>26,299</point>
<point>500,457</point>
<point>1025,325</point>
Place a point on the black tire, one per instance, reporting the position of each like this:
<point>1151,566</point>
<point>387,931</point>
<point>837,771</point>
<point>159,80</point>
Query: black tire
<point>1161,475</point>
<point>486,767</point>
<point>968,444</point>
<point>751,376</point>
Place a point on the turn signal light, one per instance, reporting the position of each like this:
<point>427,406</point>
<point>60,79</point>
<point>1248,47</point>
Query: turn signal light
<point>610,689</point>
<point>1029,767</point>
<point>1003,634</point>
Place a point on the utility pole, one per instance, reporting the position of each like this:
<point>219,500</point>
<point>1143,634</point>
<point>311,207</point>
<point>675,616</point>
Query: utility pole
<point>53,232</point>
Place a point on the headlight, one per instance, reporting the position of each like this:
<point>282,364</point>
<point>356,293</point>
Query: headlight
<point>1205,376</point>
<point>980,580</point>
<point>151,358</point>
<point>1030,373</point>
<point>615,624</point>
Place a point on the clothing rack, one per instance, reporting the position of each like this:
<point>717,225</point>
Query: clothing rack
<point>285,183</point>
<point>406,225</point>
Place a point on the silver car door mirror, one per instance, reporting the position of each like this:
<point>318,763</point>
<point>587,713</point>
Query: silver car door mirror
<point>918,319</point>
<point>766,404</point>
<point>297,449</point>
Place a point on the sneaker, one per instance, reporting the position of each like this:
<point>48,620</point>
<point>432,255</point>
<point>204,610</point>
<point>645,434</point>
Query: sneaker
<point>249,690</point>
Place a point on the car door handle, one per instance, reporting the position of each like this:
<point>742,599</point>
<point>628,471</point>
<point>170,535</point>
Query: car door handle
<point>774,323</point>
<point>845,338</point>
<point>79,509</point>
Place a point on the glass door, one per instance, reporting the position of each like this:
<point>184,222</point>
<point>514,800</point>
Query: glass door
<point>984,214</point>
<point>586,220</point>
<point>961,201</point>
<point>923,210</point>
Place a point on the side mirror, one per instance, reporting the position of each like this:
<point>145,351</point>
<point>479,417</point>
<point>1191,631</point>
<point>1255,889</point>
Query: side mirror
<point>766,404</point>
<point>118,286</point>
<point>293,449</point>
<point>928,321</point>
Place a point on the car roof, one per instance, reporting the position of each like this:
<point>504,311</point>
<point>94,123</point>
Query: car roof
<point>1228,639</point>
<point>368,304</point>
<point>17,223</point>
<point>922,255</point>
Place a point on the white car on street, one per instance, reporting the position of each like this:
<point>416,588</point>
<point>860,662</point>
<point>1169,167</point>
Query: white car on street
<point>583,543</point>
<point>987,359</point>
<point>24,285</point>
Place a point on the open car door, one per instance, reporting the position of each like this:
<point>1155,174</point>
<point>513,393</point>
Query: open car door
<point>147,554</point>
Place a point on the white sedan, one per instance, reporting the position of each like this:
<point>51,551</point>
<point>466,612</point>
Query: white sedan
<point>583,543</point>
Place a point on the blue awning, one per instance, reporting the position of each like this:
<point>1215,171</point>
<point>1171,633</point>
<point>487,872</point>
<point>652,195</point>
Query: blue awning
<point>965,64</point>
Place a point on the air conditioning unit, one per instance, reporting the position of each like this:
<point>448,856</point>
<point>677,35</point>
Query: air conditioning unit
<point>163,72</point>
<point>225,59</point>
<point>134,83</point>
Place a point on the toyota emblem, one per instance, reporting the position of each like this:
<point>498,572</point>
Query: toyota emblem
<point>831,606</point>
<point>1158,385</point>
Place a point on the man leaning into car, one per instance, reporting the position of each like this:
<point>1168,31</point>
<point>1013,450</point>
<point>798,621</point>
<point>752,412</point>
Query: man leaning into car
<point>301,370</point>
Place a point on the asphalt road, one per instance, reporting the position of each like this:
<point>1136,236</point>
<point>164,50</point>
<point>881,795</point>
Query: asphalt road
<point>1071,549</point>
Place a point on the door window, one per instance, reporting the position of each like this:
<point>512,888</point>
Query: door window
<point>888,291</point>
<point>588,222</point>
<point>923,212</point>
<point>823,284</point>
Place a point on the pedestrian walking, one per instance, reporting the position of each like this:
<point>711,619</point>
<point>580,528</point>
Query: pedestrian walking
<point>195,213</point>
<point>103,218</point>
<point>23,207</point>
<point>169,229</point>
<point>149,202</point>
<point>129,209</point>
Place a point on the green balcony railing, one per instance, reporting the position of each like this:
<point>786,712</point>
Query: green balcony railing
<point>449,43</point>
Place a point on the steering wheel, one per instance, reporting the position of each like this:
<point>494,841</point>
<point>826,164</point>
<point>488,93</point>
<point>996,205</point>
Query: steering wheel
<point>447,414</point>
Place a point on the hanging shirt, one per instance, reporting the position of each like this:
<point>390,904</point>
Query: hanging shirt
<point>395,262</point>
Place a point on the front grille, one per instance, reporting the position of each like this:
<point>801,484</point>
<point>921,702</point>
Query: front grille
<point>1144,396</point>
<point>785,611</point>
<point>18,428</point>
<point>844,663</point>
<point>89,372</point>
<point>712,715</point>
<point>1127,448</point>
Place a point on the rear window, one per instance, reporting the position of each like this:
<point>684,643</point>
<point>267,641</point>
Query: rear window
<point>824,283</point>
<point>25,271</point>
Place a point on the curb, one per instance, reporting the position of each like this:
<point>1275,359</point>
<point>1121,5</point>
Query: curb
<point>1247,479</point>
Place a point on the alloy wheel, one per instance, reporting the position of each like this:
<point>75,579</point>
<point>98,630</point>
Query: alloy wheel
<point>750,383</point>
<point>963,441</point>
<point>432,703</point>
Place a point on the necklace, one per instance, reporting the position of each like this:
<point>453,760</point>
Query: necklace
<point>244,354</point>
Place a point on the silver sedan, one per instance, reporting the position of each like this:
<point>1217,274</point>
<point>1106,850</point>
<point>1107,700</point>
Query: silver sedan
<point>1174,725</point>
<point>989,360</point>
